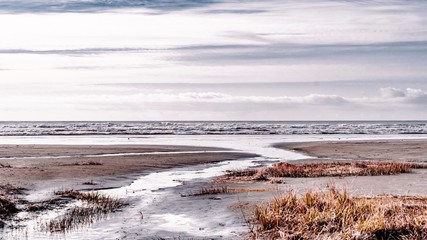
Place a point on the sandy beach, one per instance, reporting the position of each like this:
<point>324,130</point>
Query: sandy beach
<point>414,183</point>
<point>46,168</point>
<point>32,166</point>
<point>372,150</point>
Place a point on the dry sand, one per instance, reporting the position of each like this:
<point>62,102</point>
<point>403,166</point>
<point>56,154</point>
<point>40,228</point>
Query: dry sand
<point>373,150</point>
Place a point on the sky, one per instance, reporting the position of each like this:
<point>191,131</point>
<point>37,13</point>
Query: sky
<point>125,60</point>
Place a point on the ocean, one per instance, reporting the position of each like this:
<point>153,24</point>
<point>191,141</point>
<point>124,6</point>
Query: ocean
<point>212,128</point>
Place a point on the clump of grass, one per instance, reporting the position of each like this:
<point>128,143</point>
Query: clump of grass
<point>241,172</point>
<point>101,200</point>
<point>241,190</point>
<point>339,169</point>
<point>37,207</point>
<point>336,215</point>
<point>91,182</point>
<point>93,163</point>
<point>8,189</point>
<point>5,165</point>
<point>244,175</point>
<point>90,163</point>
<point>225,190</point>
<point>74,218</point>
<point>211,191</point>
<point>7,206</point>
<point>336,169</point>
<point>95,206</point>
<point>46,205</point>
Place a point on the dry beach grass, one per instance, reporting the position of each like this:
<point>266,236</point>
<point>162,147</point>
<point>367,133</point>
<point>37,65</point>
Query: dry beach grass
<point>92,206</point>
<point>336,215</point>
<point>310,170</point>
<point>95,206</point>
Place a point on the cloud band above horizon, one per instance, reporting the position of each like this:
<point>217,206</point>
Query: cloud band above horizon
<point>213,60</point>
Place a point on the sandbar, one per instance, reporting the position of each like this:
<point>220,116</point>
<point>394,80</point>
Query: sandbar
<point>30,165</point>
<point>372,150</point>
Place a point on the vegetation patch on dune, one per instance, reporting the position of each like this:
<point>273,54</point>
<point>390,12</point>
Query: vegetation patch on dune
<point>336,215</point>
<point>336,169</point>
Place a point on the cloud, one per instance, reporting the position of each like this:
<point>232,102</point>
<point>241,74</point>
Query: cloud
<point>173,100</point>
<point>217,97</point>
<point>392,103</point>
<point>46,6</point>
<point>388,97</point>
<point>408,95</point>
<point>261,53</point>
<point>234,11</point>
<point>390,92</point>
<point>282,52</point>
<point>249,36</point>
<point>77,51</point>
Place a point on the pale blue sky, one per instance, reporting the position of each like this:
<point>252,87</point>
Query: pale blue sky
<point>213,60</point>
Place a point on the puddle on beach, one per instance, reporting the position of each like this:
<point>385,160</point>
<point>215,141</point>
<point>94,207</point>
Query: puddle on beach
<point>155,208</point>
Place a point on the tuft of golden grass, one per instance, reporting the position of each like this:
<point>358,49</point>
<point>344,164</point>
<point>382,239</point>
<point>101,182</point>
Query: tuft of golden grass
<point>336,169</point>
<point>340,169</point>
<point>336,215</point>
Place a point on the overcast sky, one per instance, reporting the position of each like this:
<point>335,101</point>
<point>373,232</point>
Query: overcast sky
<point>213,60</point>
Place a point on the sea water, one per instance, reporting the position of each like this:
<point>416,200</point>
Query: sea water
<point>211,128</point>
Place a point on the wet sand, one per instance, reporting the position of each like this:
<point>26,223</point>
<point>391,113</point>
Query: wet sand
<point>31,165</point>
